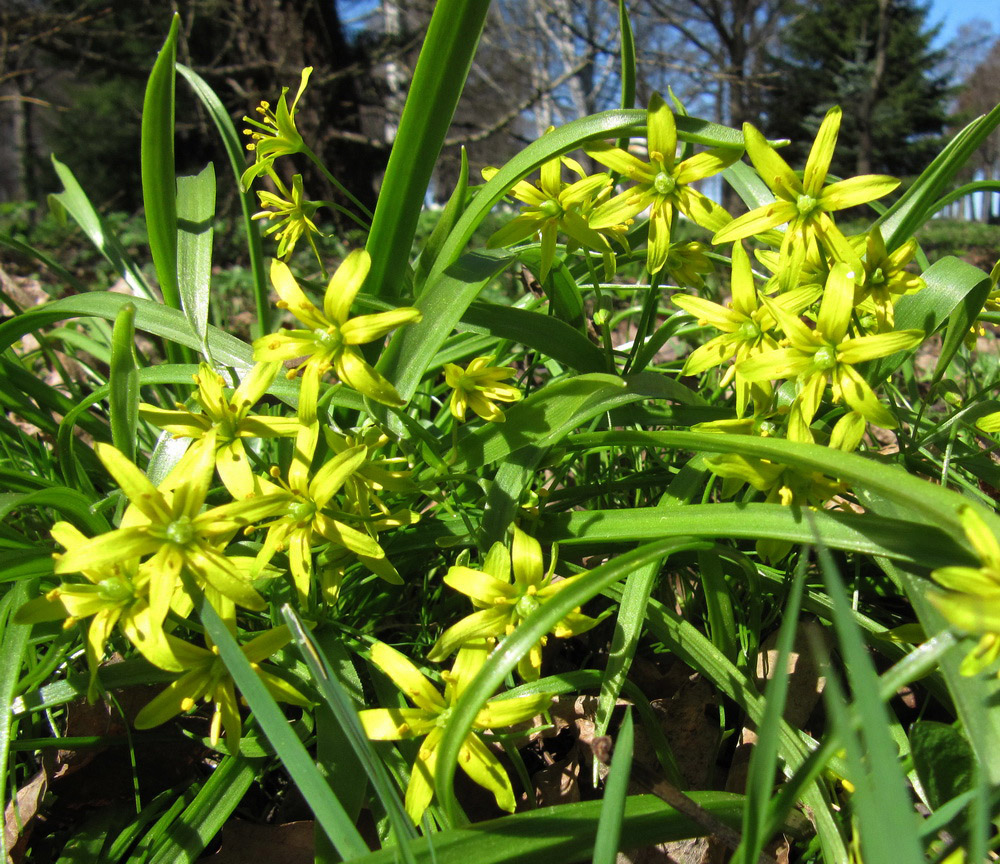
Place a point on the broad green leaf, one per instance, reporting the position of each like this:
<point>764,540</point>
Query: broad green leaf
<point>955,294</point>
<point>438,80</point>
<point>123,382</point>
<point>13,644</point>
<point>237,162</point>
<point>157,155</point>
<point>944,760</point>
<point>195,213</point>
<point>913,542</point>
<point>917,204</point>
<point>549,336</point>
<point>561,835</point>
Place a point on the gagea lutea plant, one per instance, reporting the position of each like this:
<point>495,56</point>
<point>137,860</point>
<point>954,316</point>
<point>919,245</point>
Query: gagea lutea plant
<point>700,430</point>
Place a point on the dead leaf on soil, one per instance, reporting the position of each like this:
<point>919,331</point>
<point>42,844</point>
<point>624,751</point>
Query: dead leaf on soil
<point>20,813</point>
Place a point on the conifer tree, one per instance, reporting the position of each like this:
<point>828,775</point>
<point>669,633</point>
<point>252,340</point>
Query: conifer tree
<point>875,59</point>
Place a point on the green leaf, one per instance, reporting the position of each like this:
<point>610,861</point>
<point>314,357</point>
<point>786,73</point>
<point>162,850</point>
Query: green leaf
<point>913,542</point>
<point>123,382</point>
<point>186,838</point>
<point>326,808</point>
<point>157,154</point>
<point>195,212</point>
<point>161,321</point>
<point>13,644</point>
<point>955,294</point>
<point>561,835</point>
<point>917,204</point>
<point>78,205</point>
<point>887,824</point>
<point>944,760</point>
<point>438,80</point>
<point>446,221</point>
<point>551,337</point>
<point>345,713</point>
<point>447,292</point>
<point>502,661</point>
<point>237,162</point>
<point>609,826</point>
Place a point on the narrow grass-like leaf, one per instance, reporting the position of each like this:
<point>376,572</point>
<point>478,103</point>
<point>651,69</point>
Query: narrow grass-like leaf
<point>764,758</point>
<point>31,252</point>
<point>438,80</point>
<point>78,205</point>
<point>237,161</point>
<point>609,825</point>
<point>447,293</point>
<point>159,193</point>
<point>123,382</point>
<point>563,834</point>
<point>344,711</point>
<point>195,212</point>
<point>446,221</point>
<point>913,542</point>
<point>916,205</point>
<point>185,840</point>
<point>693,648</point>
<point>881,802</point>
<point>13,644</point>
<point>167,323</point>
<point>326,808</point>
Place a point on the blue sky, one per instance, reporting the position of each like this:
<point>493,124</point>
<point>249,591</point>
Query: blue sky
<point>951,14</point>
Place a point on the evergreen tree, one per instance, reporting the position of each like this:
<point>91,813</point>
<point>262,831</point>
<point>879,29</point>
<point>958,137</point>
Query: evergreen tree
<point>873,58</point>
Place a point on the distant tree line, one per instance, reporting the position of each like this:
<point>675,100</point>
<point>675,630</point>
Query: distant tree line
<point>72,74</point>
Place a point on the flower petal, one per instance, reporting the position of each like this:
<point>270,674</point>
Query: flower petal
<point>774,170</point>
<point>407,678</point>
<point>293,299</point>
<point>476,760</point>
<point>478,625</point>
<point>391,724</point>
<point>358,375</point>
<point>344,285</point>
<point>821,153</point>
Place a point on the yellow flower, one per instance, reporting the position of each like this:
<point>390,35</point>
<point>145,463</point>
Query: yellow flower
<point>275,134</point>
<point>173,529</point>
<point>116,593</point>
<point>827,354</point>
<point>300,502</point>
<point>885,277</point>
<point>229,418</point>
<point>780,484</point>
<point>479,387</point>
<point>972,602</point>
<point>430,717</point>
<point>744,325</point>
<point>292,216</point>
<point>553,206</point>
<point>330,337</point>
<point>662,183</point>
<point>804,203</point>
<point>207,678</point>
<point>504,602</point>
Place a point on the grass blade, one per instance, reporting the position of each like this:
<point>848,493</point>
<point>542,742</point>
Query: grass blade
<point>609,826</point>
